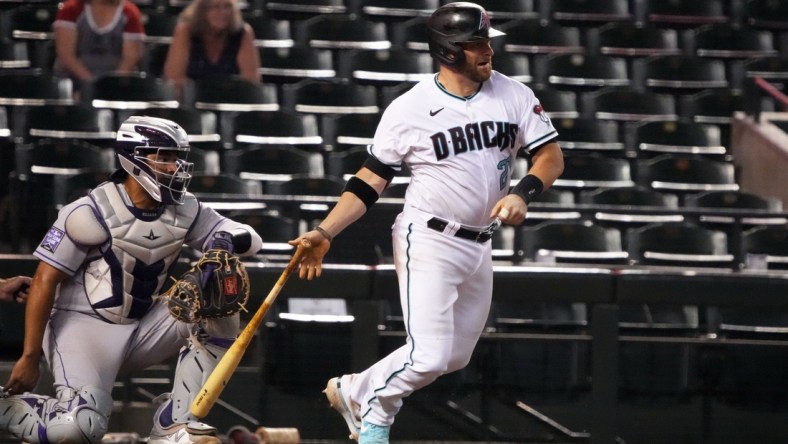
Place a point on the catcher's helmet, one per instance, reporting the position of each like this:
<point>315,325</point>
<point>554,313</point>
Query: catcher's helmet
<point>140,136</point>
<point>457,23</point>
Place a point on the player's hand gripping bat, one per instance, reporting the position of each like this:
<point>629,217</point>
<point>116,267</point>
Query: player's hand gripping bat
<point>218,379</point>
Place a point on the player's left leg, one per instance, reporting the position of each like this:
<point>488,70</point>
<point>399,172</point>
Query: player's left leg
<point>431,267</point>
<point>74,416</point>
<point>202,347</point>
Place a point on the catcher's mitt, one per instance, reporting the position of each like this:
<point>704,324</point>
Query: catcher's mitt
<point>215,287</point>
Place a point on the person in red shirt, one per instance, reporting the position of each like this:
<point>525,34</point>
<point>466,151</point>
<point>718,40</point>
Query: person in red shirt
<point>95,37</point>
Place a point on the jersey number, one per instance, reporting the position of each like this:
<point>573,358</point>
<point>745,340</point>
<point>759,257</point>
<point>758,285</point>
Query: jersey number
<point>505,165</point>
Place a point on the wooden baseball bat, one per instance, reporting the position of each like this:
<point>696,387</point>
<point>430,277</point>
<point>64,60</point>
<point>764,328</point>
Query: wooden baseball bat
<point>220,375</point>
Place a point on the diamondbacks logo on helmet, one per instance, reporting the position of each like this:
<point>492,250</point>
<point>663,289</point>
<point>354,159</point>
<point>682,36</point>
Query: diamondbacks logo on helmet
<point>484,22</point>
<point>455,23</point>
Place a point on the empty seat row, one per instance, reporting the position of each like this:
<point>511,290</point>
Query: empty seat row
<point>683,244</point>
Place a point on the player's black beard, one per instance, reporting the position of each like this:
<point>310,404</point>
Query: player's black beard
<point>471,71</point>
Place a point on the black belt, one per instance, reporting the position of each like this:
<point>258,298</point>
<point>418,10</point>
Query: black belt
<point>481,237</point>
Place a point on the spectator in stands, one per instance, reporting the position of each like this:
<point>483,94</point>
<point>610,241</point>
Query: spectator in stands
<point>95,37</point>
<point>14,289</point>
<point>211,39</point>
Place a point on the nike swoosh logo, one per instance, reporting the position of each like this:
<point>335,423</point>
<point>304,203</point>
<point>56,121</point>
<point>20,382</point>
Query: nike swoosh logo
<point>433,113</point>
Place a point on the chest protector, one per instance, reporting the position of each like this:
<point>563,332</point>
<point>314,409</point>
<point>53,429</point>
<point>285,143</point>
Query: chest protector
<point>121,285</point>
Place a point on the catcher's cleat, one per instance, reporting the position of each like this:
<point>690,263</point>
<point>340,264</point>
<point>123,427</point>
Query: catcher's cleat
<point>191,433</point>
<point>341,403</point>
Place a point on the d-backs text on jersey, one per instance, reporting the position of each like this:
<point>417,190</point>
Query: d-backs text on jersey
<point>474,137</point>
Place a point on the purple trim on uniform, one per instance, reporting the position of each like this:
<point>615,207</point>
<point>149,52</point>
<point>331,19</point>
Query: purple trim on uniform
<point>221,342</point>
<point>196,216</point>
<point>59,356</point>
<point>53,262</point>
<point>146,282</point>
<point>166,421</point>
<point>146,215</point>
<point>42,434</point>
<point>141,290</point>
<point>213,230</point>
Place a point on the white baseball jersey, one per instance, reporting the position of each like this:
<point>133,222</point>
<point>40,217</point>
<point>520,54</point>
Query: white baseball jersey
<point>460,150</point>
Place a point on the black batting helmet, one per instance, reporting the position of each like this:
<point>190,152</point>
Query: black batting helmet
<point>457,23</point>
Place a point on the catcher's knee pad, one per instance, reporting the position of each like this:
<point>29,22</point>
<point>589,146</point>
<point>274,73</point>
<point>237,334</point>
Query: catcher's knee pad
<point>76,416</point>
<point>194,367</point>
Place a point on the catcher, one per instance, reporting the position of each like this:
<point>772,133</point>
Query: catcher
<point>94,309</point>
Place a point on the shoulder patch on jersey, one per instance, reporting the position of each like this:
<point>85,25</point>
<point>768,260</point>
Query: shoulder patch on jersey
<point>52,239</point>
<point>539,111</point>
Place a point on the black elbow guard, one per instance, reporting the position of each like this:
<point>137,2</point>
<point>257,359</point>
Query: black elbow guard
<point>362,190</point>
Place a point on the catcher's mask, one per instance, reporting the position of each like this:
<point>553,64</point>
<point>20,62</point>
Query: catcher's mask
<point>166,175</point>
<point>453,23</point>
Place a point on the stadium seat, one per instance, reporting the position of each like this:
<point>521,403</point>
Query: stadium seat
<point>627,105</point>
<point>570,241</point>
<point>685,175</point>
<point>629,207</point>
<point>735,211</point>
<point>341,32</point>
<point>766,14</point>
<point>684,138</point>
<point>391,12</point>
<point>159,26</point>
<point>77,122</point>
<point>344,131</point>
<point>277,128</point>
<point>589,14</point>
<point>578,72</point>
<point>558,104</point>
<point>770,242</point>
<point>627,39</point>
<point>593,171</point>
<point>129,91</point>
<point>32,88</point>
<point>234,93</point>
<point>682,14</point>
<point>298,10</point>
<point>681,244</point>
<point>293,64</point>
<point>516,66</point>
<point>268,163</point>
<point>13,55</point>
<point>591,135</point>
<point>270,32</point>
<point>681,74</point>
<point>31,23</point>
<point>729,41</point>
<point>323,97</point>
<point>382,68</point>
<point>533,36</point>
<point>716,106</point>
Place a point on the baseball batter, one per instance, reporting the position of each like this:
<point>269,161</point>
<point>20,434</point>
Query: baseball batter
<point>92,309</point>
<point>458,133</point>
